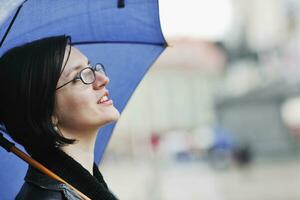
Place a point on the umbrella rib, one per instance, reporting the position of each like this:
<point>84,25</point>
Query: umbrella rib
<point>11,24</point>
<point>119,42</point>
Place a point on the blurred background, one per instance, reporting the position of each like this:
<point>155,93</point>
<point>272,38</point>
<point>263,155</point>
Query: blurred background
<point>218,115</point>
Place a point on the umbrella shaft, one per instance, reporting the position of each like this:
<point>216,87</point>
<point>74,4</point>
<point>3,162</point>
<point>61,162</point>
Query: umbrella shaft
<point>6,144</point>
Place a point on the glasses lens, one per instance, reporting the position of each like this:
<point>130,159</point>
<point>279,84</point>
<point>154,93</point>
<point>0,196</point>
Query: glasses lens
<point>100,68</point>
<point>87,76</point>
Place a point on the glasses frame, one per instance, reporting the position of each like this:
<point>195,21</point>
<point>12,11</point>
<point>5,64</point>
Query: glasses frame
<point>79,74</point>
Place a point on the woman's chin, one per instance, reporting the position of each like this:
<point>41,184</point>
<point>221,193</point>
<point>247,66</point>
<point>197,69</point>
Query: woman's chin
<point>115,114</point>
<point>111,117</point>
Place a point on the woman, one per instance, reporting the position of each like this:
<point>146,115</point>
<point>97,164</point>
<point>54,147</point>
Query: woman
<point>54,103</point>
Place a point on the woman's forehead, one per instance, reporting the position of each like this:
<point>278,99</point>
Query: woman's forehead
<point>76,58</point>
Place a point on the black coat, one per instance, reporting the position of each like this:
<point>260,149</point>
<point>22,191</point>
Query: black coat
<point>39,186</point>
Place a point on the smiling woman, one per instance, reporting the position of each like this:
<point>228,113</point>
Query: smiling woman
<point>54,104</point>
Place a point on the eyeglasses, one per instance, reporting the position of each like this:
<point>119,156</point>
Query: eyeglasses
<point>87,75</point>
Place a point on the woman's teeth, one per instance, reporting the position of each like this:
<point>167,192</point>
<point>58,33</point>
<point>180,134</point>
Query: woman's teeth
<point>103,99</point>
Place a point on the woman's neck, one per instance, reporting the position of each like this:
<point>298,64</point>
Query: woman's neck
<point>82,150</point>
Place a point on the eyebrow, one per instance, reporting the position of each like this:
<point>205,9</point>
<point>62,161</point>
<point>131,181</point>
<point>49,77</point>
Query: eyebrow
<point>75,69</point>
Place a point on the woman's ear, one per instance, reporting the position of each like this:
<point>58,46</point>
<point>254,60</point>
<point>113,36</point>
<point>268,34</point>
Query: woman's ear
<point>54,120</point>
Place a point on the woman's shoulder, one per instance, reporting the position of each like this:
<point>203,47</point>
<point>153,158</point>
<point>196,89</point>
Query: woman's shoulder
<point>39,186</point>
<point>31,191</point>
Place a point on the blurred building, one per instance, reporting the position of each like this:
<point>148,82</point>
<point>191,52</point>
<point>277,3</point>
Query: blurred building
<point>263,72</point>
<point>176,94</point>
<point>256,119</point>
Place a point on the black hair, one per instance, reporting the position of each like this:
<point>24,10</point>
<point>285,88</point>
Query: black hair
<point>28,79</point>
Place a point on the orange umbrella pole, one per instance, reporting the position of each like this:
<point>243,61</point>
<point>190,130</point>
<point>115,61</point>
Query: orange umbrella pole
<point>10,147</point>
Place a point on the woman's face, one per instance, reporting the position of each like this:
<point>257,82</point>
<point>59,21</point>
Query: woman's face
<point>78,105</point>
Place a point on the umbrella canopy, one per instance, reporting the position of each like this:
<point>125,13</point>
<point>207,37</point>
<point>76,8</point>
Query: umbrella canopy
<point>123,35</point>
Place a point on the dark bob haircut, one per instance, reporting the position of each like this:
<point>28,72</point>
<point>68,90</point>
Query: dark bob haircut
<point>28,79</point>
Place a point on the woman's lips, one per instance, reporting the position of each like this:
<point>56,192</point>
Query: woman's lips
<point>105,95</point>
<point>104,100</point>
<point>107,102</point>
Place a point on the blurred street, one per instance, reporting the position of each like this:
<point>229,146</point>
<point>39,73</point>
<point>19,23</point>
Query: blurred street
<point>196,180</point>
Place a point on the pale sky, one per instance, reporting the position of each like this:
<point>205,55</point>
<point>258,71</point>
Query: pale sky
<point>208,19</point>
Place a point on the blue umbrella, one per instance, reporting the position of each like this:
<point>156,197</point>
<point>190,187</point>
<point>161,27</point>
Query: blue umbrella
<point>123,35</point>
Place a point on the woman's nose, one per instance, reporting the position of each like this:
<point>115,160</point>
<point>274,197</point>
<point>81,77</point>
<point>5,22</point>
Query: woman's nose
<point>101,80</point>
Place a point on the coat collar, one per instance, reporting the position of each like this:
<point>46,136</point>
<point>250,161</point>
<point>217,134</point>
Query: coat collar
<point>71,171</point>
<point>39,179</point>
